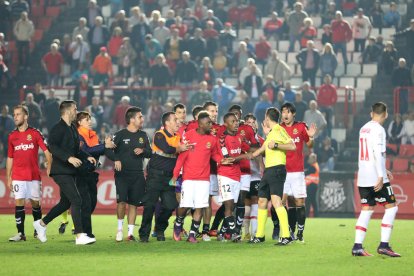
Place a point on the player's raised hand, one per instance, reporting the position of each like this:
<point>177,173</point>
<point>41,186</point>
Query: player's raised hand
<point>118,166</point>
<point>138,151</point>
<point>378,186</point>
<point>312,130</point>
<point>75,161</point>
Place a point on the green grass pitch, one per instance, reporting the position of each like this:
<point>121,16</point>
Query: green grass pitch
<point>327,251</point>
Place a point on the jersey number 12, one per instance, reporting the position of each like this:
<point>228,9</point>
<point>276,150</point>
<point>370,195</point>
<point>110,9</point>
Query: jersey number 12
<point>363,145</point>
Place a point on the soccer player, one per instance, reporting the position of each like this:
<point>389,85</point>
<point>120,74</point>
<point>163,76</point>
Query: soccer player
<point>271,186</point>
<point>374,182</point>
<point>195,167</point>
<point>181,114</point>
<point>22,168</point>
<point>132,147</point>
<point>295,185</point>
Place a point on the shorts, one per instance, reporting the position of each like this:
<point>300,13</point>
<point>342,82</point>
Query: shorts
<point>27,189</point>
<point>295,185</point>
<point>178,184</point>
<point>195,194</point>
<point>254,189</point>
<point>245,182</point>
<point>229,189</point>
<point>130,188</point>
<point>371,198</point>
<point>272,182</point>
<point>214,190</point>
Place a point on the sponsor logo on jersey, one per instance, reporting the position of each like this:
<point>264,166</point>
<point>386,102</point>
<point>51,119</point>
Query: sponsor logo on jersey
<point>235,151</point>
<point>208,145</point>
<point>29,137</point>
<point>296,140</point>
<point>24,147</point>
<point>126,141</point>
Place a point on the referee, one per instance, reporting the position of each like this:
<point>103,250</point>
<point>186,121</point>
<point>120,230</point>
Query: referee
<point>271,186</point>
<point>165,148</point>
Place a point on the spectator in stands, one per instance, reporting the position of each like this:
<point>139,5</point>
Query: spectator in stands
<point>408,130</point>
<point>379,41</point>
<point>301,106</point>
<point>278,68</point>
<point>126,58</point>
<point>200,11</point>
<point>211,36</point>
<point>115,43</point>
<point>327,98</point>
<point>388,59</point>
<point>154,114</point>
<point>182,28</point>
<point>52,114</point>
<point>76,76</point>
<point>295,23</point>
<point>270,88</point>
<point>151,49</point>
<point>377,16</point>
<point>392,17</point>
<point>153,21</point>
<point>134,16</point>
<point>308,94</point>
<point>92,12</point>
<point>408,34</point>
<point>218,25</point>
<point>119,113</point>
<point>312,181</point>
<point>280,99</point>
<point>314,116</point>
<point>6,126</point>
<point>81,29</point>
<point>249,45</point>
<point>309,62</point>
<point>240,58</point>
<point>290,93</point>
<point>17,7</point>
<point>327,34</point>
<point>361,30</point>
<point>272,27</point>
<point>341,35</point>
<point>263,49</point>
<point>227,37</point>
<point>159,75</point>
<point>4,47</point>
<point>80,52</point>
<point>138,33</point>
<point>38,95</point>
<point>395,130</point>
<point>206,72</point>
<point>186,74</point>
<point>307,32</point>
<point>102,68</point>
<point>220,65</point>
<point>326,156</point>
<point>98,36</point>
<point>261,106</point>
<point>203,95</point>
<point>246,70</point>
<point>120,21</point>
<point>5,16</point>
<point>197,46</point>
<point>328,62</point>
<point>372,52</point>
<point>401,77</point>
<point>23,31</point>
<point>83,92</point>
<point>223,95</point>
<point>190,21</point>
<point>4,72</point>
<point>162,33</point>
<point>253,85</point>
<point>52,63</point>
<point>35,112</point>
<point>220,11</point>
<point>329,14</point>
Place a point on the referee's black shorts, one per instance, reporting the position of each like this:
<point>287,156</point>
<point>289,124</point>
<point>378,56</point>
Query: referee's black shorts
<point>272,182</point>
<point>130,188</point>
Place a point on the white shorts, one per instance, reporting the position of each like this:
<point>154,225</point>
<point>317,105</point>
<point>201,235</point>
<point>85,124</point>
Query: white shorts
<point>245,182</point>
<point>194,194</point>
<point>27,189</point>
<point>229,189</point>
<point>214,191</point>
<point>295,185</point>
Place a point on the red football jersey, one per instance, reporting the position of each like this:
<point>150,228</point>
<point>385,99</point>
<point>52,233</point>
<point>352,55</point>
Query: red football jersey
<point>190,125</point>
<point>231,146</point>
<point>217,131</point>
<point>295,159</point>
<point>195,162</point>
<point>24,148</point>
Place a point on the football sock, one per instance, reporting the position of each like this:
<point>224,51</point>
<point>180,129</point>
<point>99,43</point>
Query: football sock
<point>292,218</point>
<point>362,225</point>
<point>261,222</point>
<point>275,219</point>
<point>64,216</point>
<point>206,227</point>
<point>301,217</point>
<point>130,229</point>
<point>120,224</point>
<point>240,217</point>
<point>20,216</point>
<point>218,218</point>
<point>224,228</point>
<point>230,221</point>
<point>246,221</point>
<point>284,224</point>
<point>37,213</point>
<point>194,227</point>
<point>179,221</point>
<point>387,224</point>
<point>253,218</point>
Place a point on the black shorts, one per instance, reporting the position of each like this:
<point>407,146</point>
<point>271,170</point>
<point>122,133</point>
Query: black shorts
<point>272,182</point>
<point>370,198</point>
<point>130,188</point>
<point>254,189</point>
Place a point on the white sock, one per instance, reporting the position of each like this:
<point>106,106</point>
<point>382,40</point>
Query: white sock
<point>387,223</point>
<point>253,218</point>
<point>120,224</point>
<point>246,221</point>
<point>130,229</point>
<point>362,225</point>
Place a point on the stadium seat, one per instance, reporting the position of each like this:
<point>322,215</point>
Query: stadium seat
<point>359,95</point>
<point>393,147</point>
<point>388,164</point>
<point>375,32</point>
<point>273,44</point>
<point>283,45</point>
<point>353,70</point>
<point>106,11</point>
<point>355,57</point>
<point>402,8</point>
<point>388,33</point>
<point>296,82</point>
<point>406,150</point>
<point>45,23</point>
<point>364,83</point>
<point>291,58</point>
<point>232,82</point>
<point>244,33</point>
<point>400,165</point>
<point>317,21</point>
<point>37,11</point>
<point>53,11</point>
<point>340,70</point>
<point>38,35</point>
<point>346,81</point>
<point>369,70</point>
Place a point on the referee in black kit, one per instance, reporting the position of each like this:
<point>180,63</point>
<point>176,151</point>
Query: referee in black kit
<point>67,158</point>
<point>132,146</point>
<point>165,148</point>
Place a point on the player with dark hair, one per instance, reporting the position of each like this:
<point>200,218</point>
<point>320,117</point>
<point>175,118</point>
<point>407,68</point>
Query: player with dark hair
<point>22,168</point>
<point>374,182</point>
<point>181,113</point>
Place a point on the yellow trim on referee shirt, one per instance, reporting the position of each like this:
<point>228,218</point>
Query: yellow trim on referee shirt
<point>275,157</point>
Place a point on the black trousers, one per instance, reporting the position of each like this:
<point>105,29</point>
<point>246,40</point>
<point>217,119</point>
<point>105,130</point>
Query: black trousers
<point>70,197</point>
<point>86,185</point>
<point>157,188</point>
<point>23,51</point>
<point>309,75</point>
<point>312,200</point>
